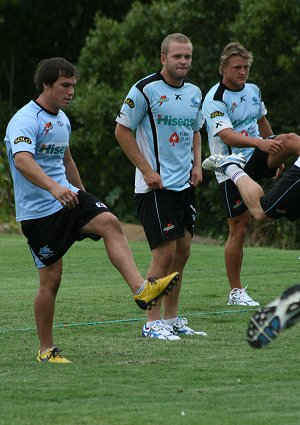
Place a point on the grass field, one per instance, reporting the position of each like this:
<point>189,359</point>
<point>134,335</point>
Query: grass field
<point>119,378</point>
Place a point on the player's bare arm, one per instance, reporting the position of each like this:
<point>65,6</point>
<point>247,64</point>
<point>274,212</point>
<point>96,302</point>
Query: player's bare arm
<point>232,138</point>
<point>196,172</point>
<point>26,164</point>
<point>128,143</point>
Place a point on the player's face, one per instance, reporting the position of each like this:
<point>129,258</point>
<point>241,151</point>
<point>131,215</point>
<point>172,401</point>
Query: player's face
<point>236,72</point>
<point>177,62</point>
<point>60,94</point>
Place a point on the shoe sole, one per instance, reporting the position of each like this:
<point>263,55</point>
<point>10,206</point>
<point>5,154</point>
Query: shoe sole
<point>266,324</point>
<point>148,305</point>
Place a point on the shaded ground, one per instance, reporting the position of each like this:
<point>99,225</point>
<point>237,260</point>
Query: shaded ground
<point>133,232</point>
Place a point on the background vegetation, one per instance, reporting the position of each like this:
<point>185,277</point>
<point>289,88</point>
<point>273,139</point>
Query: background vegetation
<point>116,43</point>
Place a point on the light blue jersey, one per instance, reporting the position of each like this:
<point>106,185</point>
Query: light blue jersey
<point>46,137</point>
<point>239,110</point>
<point>165,119</point>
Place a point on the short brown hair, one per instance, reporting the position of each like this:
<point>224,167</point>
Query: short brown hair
<point>177,37</point>
<point>234,49</point>
<point>49,70</point>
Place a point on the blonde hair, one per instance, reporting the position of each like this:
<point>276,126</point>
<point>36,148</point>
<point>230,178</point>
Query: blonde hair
<point>234,49</point>
<point>177,37</point>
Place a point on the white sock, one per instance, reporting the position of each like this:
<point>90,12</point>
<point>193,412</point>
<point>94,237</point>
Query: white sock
<point>169,322</point>
<point>149,324</point>
<point>234,172</point>
<point>141,288</point>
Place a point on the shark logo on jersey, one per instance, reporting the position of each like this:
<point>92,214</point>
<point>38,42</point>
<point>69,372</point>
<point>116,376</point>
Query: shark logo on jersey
<point>195,102</point>
<point>47,127</point>
<point>163,99</point>
<point>45,252</point>
<point>255,100</point>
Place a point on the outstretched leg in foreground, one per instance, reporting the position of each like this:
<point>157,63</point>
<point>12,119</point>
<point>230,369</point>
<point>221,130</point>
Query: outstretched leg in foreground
<point>269,321</point>
<point>146,293</point>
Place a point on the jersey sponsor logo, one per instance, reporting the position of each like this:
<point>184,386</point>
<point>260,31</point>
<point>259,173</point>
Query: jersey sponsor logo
<point>216,114</point>
<point>47,127</point>
<point>170,121</point>
<point>238,203</point>
<point>246,121</point>
<point>130,103</point>
<point>45,252</point>
<point>21,139</point>
<point>52,149</point>
<point>163,99</point>
<point>168,227</point>
<point>174,139</point>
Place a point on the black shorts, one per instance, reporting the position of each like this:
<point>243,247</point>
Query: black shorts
<point>165,214</point>
<point>49,238</point>
<point>257,168</point>
<point>282,200</point>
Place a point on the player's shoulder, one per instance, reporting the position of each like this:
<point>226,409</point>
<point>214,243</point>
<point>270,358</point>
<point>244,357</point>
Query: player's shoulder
<point>215,93</point>
<point>149,79</point>
<point>252,84</point>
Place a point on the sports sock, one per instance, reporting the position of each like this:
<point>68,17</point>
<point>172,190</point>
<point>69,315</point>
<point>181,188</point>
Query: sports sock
<point>149,324</point>
<point>234,172</point>
<point>141,288</point>
<point>169,322</point>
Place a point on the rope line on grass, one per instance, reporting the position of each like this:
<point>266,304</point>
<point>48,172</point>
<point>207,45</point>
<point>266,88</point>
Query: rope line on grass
<point>106,322</point>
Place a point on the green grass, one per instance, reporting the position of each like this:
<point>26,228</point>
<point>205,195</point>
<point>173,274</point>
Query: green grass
<point>119,378</point>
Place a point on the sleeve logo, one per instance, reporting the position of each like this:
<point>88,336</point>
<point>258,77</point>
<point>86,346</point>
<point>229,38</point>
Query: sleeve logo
<point>130,102</point>
<point>21,139</point>
<point>216,114</point>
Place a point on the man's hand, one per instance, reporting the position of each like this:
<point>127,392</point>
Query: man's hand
<point>65,196</point>
<point>196,176</point>
<point>271,146</point>
<point>153,180</point>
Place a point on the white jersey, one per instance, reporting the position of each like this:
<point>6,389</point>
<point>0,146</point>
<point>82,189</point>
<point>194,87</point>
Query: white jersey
<point>165,119</point>
<point>46,137</point>
<point>239,110</point>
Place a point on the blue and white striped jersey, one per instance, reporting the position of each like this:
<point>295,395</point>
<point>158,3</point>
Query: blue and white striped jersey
<point>240,110</point>
<point>46,137</point>
<point>165,119</point>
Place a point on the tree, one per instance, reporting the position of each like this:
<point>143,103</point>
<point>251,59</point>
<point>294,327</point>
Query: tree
<point>113,58</point>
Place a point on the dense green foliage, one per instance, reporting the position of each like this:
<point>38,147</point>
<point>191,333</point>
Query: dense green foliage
<point>115,45</point>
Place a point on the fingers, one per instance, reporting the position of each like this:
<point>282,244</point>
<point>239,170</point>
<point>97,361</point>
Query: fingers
<point>69,200</point>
